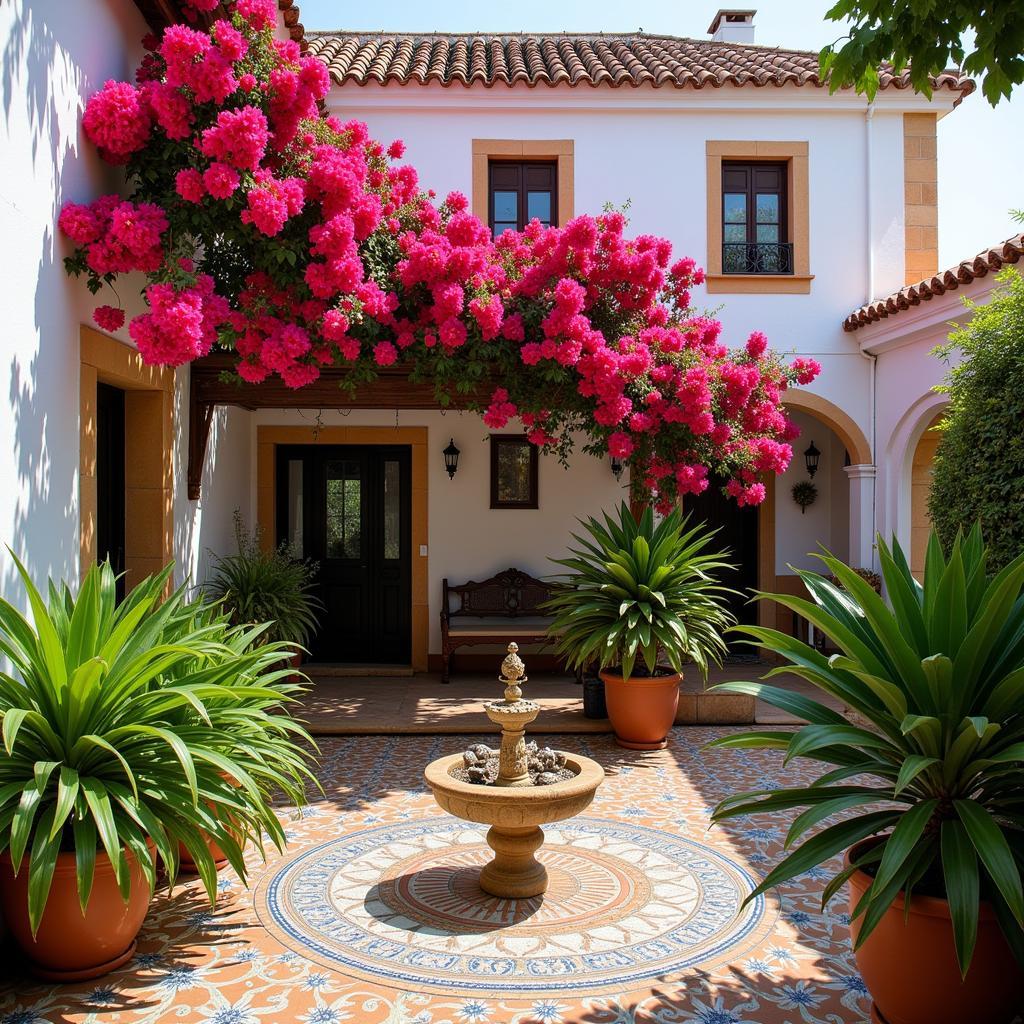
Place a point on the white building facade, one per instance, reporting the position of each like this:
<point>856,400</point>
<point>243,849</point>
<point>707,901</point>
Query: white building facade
<point>662,124</point>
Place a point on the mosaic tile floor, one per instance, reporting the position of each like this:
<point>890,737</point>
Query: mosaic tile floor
<point>372,917</point>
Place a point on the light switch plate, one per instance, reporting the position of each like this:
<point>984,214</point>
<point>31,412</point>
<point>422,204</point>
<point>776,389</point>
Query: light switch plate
<point>423,551</point>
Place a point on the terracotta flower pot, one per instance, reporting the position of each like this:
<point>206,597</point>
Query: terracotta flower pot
<point>641,709</point>
<point>220,858</point>
<point>189,866</point>
<point>70,945</point>
<point>911,969</point>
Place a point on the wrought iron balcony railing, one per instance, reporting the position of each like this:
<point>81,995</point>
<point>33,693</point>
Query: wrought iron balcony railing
<point>757,257</point>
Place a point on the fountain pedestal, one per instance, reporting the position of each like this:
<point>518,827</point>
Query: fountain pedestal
<point>513,805</point>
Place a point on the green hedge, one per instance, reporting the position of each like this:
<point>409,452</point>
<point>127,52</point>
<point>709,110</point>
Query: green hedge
<point>979,465</point>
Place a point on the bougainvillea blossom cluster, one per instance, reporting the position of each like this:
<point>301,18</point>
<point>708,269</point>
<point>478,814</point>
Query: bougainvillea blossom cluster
<point>297,242</point>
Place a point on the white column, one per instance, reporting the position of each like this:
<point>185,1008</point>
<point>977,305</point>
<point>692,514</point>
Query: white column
<point>862,515</point>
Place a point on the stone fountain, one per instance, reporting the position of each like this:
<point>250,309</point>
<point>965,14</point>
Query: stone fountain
<point>515,790</point>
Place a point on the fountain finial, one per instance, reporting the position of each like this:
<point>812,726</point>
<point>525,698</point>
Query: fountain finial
<point>513,673</point>
<point>513,714</point>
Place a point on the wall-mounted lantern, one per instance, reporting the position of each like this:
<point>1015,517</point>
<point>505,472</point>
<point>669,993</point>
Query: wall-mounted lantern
<point>811,457</point>
<point>618,465</point>
<point>451,458</point>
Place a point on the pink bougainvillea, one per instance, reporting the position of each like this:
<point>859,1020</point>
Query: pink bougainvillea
<point>297,242</point>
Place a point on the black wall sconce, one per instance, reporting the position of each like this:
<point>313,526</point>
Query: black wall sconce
<point>618,465</point>
<point>451,458</point>
<point>811,457</point>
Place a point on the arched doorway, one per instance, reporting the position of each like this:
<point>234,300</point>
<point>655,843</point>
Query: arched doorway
<point>920,486</point>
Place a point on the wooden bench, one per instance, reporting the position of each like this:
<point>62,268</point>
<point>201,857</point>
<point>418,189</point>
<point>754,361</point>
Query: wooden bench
<point>503,608</point>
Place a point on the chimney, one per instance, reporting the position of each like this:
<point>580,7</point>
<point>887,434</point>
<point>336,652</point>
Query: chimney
<point>732,27</point>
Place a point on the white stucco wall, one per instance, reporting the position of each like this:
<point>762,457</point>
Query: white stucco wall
<point>54,54</point>
<point>206,527</point>
<point>798,534</point>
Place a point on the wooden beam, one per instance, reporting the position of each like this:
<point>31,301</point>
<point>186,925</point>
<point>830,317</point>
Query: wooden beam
<point>209,387</point>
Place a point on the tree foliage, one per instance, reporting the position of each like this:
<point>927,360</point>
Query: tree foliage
<point>979,465</point>
<point>927,37</point>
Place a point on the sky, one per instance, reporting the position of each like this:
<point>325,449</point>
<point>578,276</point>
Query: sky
<point>981,149</point>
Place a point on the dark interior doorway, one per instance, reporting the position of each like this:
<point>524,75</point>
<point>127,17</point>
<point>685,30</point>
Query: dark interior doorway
<point>349,508</point>
<point>738,535</point>
<point>110,480</point>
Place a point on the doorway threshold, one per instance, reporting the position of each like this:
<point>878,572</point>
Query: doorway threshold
<point>348,669</point>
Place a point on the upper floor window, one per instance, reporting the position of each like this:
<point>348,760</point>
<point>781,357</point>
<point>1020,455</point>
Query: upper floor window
<point>519,192</point>
<point>754,219</point>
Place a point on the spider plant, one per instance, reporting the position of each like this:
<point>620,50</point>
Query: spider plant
<point>938,675</point>
<point>258,586</point>
<point>640,590</point>
<point>145,722</point>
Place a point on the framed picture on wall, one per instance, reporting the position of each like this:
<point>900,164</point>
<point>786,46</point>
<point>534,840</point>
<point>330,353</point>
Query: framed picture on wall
<point>513,472</point>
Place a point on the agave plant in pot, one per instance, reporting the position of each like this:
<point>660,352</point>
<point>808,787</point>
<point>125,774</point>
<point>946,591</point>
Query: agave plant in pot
<point>928,795</point>
<point>120,747</point>
<point>640,599</point>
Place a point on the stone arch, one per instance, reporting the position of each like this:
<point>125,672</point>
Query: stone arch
<point>901,450</point>
<point>840,422</point>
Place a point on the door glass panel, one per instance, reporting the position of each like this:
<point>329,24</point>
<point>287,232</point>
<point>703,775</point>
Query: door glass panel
<point>735,232</point>
<point>392,509</point>
<point>514,472</point>
<point>294,510</point>
<point>767,232</point>
<point>499,228</point>
<point>506,206</point>
<point>344,509</point>
<point>735,208</point>
<point>767,208</point>
<point>538,204</point>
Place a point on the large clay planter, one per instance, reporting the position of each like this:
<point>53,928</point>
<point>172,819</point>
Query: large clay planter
<point>911,970</point>
<point>70,946</point>
<point>642,709</point>
<point>515,814</point>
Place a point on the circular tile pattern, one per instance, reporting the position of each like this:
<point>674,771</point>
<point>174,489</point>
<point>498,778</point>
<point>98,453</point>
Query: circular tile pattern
<point>399,904</point>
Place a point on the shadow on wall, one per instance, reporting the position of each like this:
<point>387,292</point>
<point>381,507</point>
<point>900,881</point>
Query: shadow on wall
<point>206,527</point>
<point>53,55</point>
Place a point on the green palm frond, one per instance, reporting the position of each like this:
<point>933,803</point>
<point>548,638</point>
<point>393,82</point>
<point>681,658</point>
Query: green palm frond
<point>937,670</point>
<point>640,589</point>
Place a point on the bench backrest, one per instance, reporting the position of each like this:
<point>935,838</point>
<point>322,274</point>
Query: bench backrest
<point>509,593</point>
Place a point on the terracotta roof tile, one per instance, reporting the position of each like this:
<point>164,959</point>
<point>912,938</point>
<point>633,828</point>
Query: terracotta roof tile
<point>290,16</point>
<point>636,59</point>
<point>989,261</point>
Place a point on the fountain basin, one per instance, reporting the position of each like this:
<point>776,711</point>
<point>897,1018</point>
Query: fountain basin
<point>515,814</point>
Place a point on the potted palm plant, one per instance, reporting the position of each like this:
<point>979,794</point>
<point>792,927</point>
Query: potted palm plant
<point>129,730</point>
<point>267,586</point>
<point>640,599</point>
<point>929,793</point>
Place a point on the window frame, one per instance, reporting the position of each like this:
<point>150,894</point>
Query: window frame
<point>522,188</point>
<point>497,441</point>
<point>795,157</point>
<point>561,151</point>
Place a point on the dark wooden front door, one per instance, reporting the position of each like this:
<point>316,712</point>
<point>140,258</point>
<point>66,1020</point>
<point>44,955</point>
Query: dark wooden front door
<point>110,480</point>
<point>348,508</point>
<point>737,535</point>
